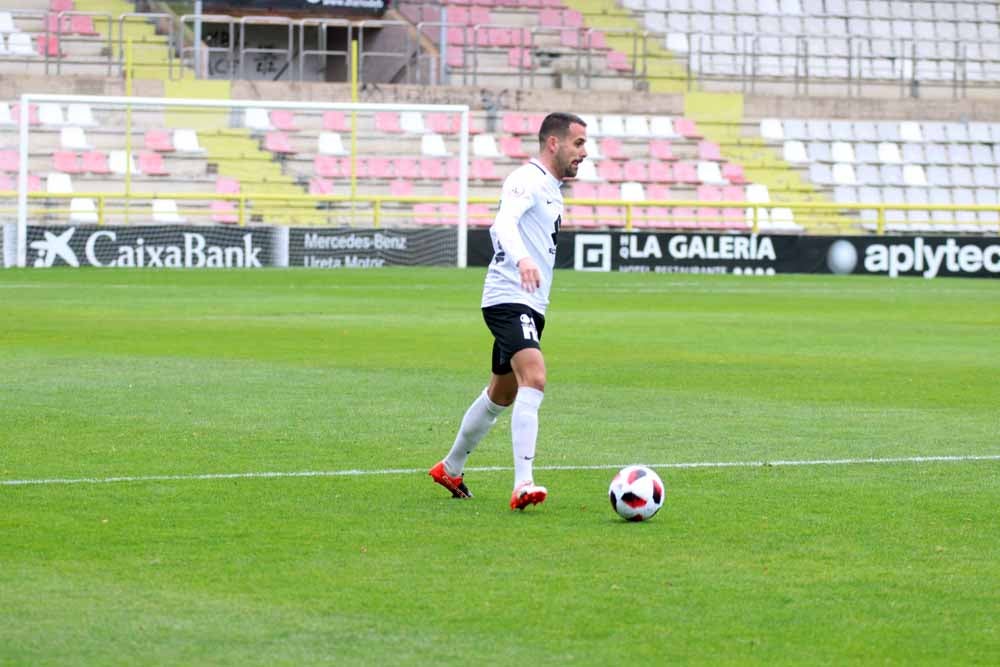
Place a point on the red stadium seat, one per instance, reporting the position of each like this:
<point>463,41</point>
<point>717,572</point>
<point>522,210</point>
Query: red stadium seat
<point>9,182</point>
<point>618,62</point>
<point>580,216</point>
<point>62,5</point>
<point>610,216</point>
<point>158,140</point>
<point>684,217</point>
<point>456,35</point>
<point>479,16</point>
<point>379,167</point>
<point>425,214</point>
<point>10,161</point>
<point>388,121</point>
<point>655,217</point>
<point>455,57</point>
<point>709,193</point>
<point>686,127</point>
<point>636,170</point>
<point>483,170</point>
<point>224,212</point>
<point>657,193</point>
<point>48,45</point>
<point>500,38</point>
<point>608,191</point>
<point>336,121</point>
<point>519,58</point>
<point>449,214</point>
<point>407,168</point>
<point>284,120</point>
<point>661,172</point>
<point>82,24</point>
<point>685,172</point>
<point>96,162</point>
<point>733,173</point>
<point>480,215</point>
<point>611,148</point>
<point>661,149</point>
<point>572,18</point>
<point>360,167</point>
<point>151,164</point>
<point>572,39</point>
<point>67,162</point>
<point>326,166</point>
<point>511,147</point>
<point>733,193</point>
<point>224,185</point>
<point>709,150</point>
<point>432,169</point>
<point>443,123</point>
<point>320,186</point>
<point>610,171</point>
<point>550,18</point>
<point>515,123</point>
<point>278,142</point>
<point>15,114</point>
<point>401,188</point>
<point>583,190</point>
<point>55,26</point>
<point>709,218</point>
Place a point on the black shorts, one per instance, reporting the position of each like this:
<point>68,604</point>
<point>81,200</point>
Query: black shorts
<point>514,328</point>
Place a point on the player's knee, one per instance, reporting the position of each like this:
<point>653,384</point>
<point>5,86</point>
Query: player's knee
<point>503,397</point>
<point>534,379</point>
<point>502,390</point>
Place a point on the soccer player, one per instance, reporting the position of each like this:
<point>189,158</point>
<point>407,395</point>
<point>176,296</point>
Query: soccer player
<point>515,295</point>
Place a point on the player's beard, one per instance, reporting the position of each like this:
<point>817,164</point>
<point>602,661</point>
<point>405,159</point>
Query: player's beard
<point>570,168</point>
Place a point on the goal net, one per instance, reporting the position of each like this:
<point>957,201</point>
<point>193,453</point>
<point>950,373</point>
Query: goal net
<point>150,182</point>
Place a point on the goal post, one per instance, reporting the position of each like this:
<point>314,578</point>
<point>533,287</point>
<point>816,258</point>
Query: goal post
<point>100,161</point>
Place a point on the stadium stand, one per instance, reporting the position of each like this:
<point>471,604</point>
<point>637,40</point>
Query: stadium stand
<point>645,158</point>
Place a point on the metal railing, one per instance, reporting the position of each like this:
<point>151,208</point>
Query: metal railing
<point>418,55</point>
<point>694,215</point>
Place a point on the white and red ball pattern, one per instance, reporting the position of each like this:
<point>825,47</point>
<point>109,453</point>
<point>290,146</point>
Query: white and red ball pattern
<point>636,493</point>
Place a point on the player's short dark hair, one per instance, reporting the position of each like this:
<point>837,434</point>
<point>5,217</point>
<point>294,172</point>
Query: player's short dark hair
<point>557,124</point>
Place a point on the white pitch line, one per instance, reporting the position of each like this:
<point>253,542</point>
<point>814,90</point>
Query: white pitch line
<point>411,471</point>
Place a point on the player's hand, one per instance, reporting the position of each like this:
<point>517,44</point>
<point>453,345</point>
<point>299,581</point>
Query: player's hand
<point>531,277</point>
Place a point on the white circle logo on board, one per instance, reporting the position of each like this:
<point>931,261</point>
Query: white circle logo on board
<point>842,257</point>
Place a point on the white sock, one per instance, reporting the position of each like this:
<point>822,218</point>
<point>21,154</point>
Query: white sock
<point>477,422</point>
<point>524,431</point>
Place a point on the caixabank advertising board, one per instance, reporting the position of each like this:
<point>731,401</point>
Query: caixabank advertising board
<point>151,246</point>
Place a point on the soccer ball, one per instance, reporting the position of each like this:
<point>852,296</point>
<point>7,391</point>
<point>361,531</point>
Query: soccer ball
<point>636,493</point>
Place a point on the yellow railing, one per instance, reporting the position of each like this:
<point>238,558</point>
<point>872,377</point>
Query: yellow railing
<point>379,208</point>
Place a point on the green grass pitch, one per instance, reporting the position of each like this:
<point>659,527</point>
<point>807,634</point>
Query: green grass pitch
<point>119,374</point>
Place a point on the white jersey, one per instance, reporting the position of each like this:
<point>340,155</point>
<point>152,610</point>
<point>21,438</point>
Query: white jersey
<point>527,223</point>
